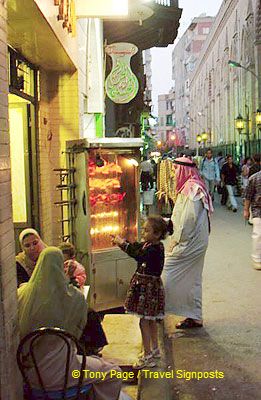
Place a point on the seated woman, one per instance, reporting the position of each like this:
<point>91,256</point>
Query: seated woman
<point>31,245</point>
<point>93,337</point>
<point>49,300</point>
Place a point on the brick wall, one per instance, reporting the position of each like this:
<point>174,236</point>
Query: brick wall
<point>58,122</point>
<point>10,381</point>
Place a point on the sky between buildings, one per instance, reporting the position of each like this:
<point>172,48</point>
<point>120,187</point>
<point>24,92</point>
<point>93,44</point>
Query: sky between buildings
<point>161,57</point>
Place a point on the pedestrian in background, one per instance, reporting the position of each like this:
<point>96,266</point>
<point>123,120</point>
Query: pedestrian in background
<point>146,173</point>
<point>253,201</point>
<point>229,179</point>
<point>245,173</point>
<point>256,166</point>
<point>210,172</point>
<point>145,297</point>
<point>220,160</point>
<point>153,176</point>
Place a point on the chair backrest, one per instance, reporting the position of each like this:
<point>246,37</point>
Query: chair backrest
<point>27,345</point>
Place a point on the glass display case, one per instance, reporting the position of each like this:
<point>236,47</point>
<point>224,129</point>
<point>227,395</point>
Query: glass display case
<point>112,195</point>
<point>106,202</point>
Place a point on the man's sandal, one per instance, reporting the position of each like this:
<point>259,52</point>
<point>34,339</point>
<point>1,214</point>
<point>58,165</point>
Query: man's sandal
<point>188,323</point>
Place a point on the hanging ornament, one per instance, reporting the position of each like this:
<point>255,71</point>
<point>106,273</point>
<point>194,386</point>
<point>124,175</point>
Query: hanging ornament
<point>121,84</point>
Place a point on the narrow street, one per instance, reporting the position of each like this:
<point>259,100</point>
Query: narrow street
<point>230,341</point>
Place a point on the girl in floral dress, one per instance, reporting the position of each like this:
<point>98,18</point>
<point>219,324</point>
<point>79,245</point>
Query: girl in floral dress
<point>145,296</point>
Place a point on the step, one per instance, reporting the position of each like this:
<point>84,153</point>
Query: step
<point>153,386</point>
<point>124,338</point>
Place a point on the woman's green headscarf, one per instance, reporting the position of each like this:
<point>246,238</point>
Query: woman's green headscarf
<point>48,300</point>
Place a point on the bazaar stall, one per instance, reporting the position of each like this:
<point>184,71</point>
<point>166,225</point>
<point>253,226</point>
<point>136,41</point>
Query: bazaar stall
<point>106,197</point>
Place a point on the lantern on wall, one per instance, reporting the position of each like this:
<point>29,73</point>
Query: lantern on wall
<point>199,138</point>
<point>204,136</point>
<point>258,118</point>
<point>239,123</point>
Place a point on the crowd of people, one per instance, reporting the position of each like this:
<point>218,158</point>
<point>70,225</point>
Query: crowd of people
<point>168,278</point>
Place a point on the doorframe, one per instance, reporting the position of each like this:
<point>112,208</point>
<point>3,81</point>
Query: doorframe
<point>32,129</point>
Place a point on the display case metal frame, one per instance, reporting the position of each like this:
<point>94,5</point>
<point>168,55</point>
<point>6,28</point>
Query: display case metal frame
<point>108,270</point>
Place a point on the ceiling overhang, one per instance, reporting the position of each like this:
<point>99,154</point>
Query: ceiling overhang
<point>158,29</point>
<point>31,35</point>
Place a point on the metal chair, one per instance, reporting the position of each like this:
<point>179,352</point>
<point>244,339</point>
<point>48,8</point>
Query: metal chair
<point>72,393</point>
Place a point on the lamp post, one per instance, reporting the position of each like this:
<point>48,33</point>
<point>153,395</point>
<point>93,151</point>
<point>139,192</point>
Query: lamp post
<point>240,124</point>
<point>258,121</point>
<point>173,140</point>
<point>236,64</point>
<point>199,139</point>
<point>204,137</point>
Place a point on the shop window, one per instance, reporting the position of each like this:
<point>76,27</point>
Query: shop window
<point>22,75</point>
<point>169,120</point>
<point>206,31</point>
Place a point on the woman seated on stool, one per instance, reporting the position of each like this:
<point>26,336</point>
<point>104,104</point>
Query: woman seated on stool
<point>31,245</point>
<point>49,300</point>
<point>93,338</point>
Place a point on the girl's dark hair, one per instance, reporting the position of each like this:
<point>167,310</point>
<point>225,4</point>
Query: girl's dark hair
<point>160,225</point>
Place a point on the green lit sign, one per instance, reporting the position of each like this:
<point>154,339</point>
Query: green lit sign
<point>121,84</point>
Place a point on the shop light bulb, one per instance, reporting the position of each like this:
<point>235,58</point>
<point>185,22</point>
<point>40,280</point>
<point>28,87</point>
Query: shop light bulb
<point>105,229</point>
<point>110,214</point>
<point>133,162</point>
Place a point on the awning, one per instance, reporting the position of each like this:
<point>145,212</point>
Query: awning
<point>158,30</point>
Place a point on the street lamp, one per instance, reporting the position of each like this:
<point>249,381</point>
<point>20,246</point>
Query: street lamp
<point>239,123</point>
<point>199,138</point>
<point>204,136</point>
<point>235,64</point>
<point>258,121</point>
<point>258,118</point>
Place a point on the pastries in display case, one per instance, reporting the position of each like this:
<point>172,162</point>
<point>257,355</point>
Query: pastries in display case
<point>112,196</point>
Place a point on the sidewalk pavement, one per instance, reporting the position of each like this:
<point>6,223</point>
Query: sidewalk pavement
<point>230,342</point>
<point>125,344</point>
<point>124,338</point>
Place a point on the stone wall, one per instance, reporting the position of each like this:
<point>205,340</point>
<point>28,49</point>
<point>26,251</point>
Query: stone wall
<point>58,121</point>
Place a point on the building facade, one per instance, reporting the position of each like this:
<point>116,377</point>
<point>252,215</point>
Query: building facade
<point>148,76</point>
<point>219,93</point>
<point>184,58</point>
<point>166,117</point>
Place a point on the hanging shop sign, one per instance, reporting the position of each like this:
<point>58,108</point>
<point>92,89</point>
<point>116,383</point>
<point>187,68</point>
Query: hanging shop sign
<point>121,84</point>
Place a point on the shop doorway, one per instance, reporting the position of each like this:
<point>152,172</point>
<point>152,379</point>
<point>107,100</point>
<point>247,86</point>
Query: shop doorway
<point>23,100</point>
<point>23,164</point>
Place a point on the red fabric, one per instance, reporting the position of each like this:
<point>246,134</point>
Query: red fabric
<point>78,270</point>
<point>187,178</point>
